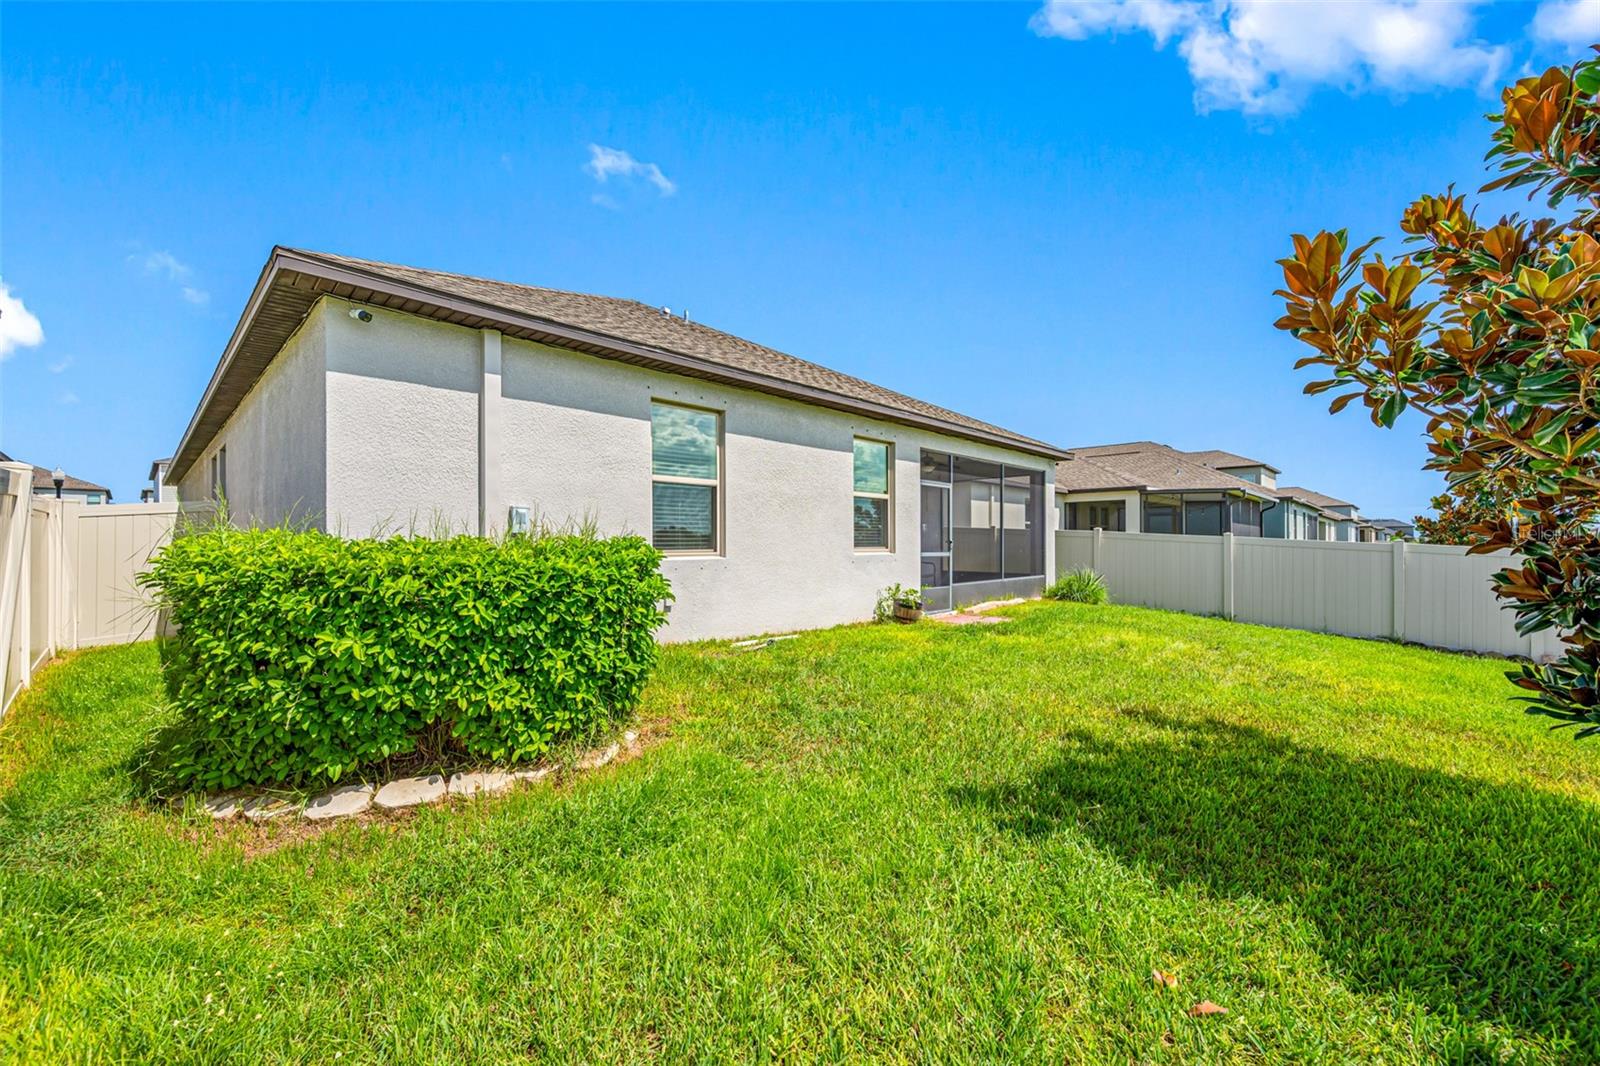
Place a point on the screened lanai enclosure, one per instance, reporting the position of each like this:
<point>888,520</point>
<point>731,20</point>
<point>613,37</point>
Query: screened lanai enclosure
<point>983,530</point>
<point>1206,514</point>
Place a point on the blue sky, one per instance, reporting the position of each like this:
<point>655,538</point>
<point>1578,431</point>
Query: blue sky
<point>1039,218</point>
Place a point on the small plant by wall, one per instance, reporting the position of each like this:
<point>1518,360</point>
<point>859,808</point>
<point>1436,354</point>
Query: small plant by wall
<point>302,656</point>
<point>1079,586</point>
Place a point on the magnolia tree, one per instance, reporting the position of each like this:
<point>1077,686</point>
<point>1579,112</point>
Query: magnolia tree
<point>1458,512</point>
<point>1492,331</point>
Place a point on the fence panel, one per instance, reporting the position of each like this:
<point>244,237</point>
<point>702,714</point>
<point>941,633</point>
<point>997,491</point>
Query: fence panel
<point>1449,605</point>
<point>113,544</point>
<point>1431,594</point>
<point>1182,573</point>
<point>1322,586</point>
<point>67,574</point>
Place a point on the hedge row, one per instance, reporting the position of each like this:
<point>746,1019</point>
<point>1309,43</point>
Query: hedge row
<point>302,656</point>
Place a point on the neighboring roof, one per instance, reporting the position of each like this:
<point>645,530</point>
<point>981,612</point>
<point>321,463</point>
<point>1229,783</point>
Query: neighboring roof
<point>1315,499</point>
<point>1220,460</point>
<point>1390,523</point>
<point>44,481</point>
<point>1147,466</point>
<point>1081,473</point>
<point>624,330</point>
<point>155,467</point>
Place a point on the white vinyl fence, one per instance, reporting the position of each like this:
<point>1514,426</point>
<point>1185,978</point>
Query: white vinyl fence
<point>67,574</point>
<point>1425,593</point>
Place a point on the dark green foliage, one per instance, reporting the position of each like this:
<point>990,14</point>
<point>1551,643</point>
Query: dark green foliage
<point>303,656</point>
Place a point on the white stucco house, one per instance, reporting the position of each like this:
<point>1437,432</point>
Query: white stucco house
<point>364,397</point>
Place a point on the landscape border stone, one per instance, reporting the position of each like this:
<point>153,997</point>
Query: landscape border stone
<point>400,793</point>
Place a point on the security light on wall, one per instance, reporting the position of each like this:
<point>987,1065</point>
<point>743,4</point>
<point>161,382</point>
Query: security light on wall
<point>361,314</point>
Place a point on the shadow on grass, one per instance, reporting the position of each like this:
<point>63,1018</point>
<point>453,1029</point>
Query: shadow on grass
<point>1479,900</point>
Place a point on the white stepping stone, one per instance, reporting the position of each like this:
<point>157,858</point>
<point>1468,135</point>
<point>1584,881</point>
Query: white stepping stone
<point>485,781</point>
<point>340,802</point>
<point>410,792</point>
<point>224,805</point>
<point>265,808</point>
<point>599,757</point>
<point>535,775</point>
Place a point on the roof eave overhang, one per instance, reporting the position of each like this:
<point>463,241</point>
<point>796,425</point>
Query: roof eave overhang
<point>307,279</point>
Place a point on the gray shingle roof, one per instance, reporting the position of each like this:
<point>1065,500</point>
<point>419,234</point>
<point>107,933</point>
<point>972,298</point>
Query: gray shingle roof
<point>605,326</point>
<point>1221,460</point>
<point>1315,499</point>
<point>1148,466</point>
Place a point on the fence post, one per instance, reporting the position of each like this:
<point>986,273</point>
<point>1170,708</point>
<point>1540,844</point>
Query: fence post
<point>16,488</point>
<point>1227,576</point>
<point>23,623</point>
<point>1094,552</point>
<point>1398,554</point>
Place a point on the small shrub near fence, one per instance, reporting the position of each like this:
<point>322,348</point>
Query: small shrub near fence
<point>1082,585</point>
<point>301,656</point>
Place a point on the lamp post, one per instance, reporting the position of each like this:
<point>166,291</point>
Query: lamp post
<point>58,476</point>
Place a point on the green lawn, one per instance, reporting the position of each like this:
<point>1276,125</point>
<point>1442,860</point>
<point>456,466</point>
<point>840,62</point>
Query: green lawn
<point>922,843</point>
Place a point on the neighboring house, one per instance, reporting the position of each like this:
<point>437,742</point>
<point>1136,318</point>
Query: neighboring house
<point>1148,487</point>
<point>1145,487</point>
<point>363,397</point>
<point>1252,470</point>
<point>1390,528</point>
<point>72,488</point>
<point>1299,517</point>
<point>159,491</point>
<point>1343,517</point>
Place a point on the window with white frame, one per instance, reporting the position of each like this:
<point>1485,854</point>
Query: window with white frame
<point>686,478</point>
<point>873,501</point>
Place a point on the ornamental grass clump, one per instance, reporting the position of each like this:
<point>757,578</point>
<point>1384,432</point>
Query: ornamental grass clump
<point>301,657</point>
<point>1079,586</point>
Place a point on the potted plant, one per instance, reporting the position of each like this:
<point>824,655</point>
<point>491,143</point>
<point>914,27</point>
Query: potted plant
<point>907,604</point>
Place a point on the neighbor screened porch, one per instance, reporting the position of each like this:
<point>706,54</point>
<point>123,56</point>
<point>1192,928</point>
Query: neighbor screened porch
<point>1204,514</point>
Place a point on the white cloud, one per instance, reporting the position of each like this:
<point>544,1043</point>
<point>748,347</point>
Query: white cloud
<point>1265,57</point>
<point>68,398</point>
<point>1571,22</point>
<point>60,365</point>
<point>19,327</point>
<point>165,265</point>
<point>607,163</point>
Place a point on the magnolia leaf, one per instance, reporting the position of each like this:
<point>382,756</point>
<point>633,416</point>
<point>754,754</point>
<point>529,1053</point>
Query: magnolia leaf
<point>1163,979</point>
<point>1206,1008</point>
<point>1341,402</point>
<point>1390,409</point>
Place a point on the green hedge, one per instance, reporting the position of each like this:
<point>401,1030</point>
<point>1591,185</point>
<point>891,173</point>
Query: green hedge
<point>301,656</point>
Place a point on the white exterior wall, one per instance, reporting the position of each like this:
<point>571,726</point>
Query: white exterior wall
<point>277,449</point>
<point>574,432</point>
<point>1129,501</point>
<point>402,430</point>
